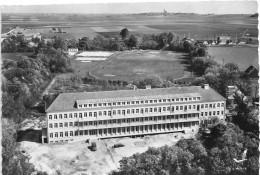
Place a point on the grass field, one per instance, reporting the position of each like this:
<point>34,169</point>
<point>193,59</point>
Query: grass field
<point>242,56</point>
<point>136,65</point>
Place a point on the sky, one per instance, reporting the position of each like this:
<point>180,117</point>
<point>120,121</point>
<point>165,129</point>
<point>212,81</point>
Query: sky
<point>115,7</point>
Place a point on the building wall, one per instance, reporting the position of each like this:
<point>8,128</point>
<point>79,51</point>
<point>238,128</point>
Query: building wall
<point>129,120</point>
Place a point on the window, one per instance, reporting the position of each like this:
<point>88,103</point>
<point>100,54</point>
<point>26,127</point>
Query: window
<point>160,109</point>
<point>214,105</point>
<point>151,109</point>
<point>56,134</point>
<point>85,123</point>
<point>210,105</point>
<point>76,133</point>
<point>70,115</point>
<point>206,114</point>
<point>155,109</point>
<point>95,114</point>
<point>55,116</point>
<point>137,111</point>
<point>210,113</point>
<point>202,106</point>
<point>206,106</point>
<point>114,104</point>
<point>128,102</point>
<point>181,108</point>
<point>80,115</point>
<point>66,124</point>
<point>51,135</point>
<point>214,112</point>
<point>151,101</point>
<point>146,110</point>
<point>104,104</point>
<point>105,113</point>
<point>169,100</point>
<point>168,108</point>
<point>65,116</point>
<point>66,134</point>
<point>142,102</point>
<point>80,106</point>
<point>194,99</point>
<point>146,101</point>
<point>132,102</point>
<point>198,98</point>
<point>109,113</point>
<point>142,110</point>
<point>100,113</point>
<point>50,125</point>
<point>173,99</point>
<point>118,103</point>
<point>164,100</point>
<point>137,102</point>
<point>109,104</point>
<point>133,111</point>
<point>128,111</point>
<point>181,99</point>
<point>50,117</point>
<point>90,114</point>
<point>75,123</point>
<point>218,105</point>
<point>114,112</point>
<point>155,101</point>
<point>61,134</point>
<point>190,107</point>
<point>123,103</point>
<point>222,112</point>
<point>177,108</point>
<point>186,99</point>
<point>118,112</point>
<point>160,101</point>
<point>71,133</point>
<point>90,105</point>
<point>123,112</point>
<point>164,108</point>
<point>202,114</point>
<point>55,125</point>
<point>194,107</point>
<point>222,104</point>
<point>85,105</point>
<point>177,99</point>
<point>217,112</point>
<point>60,116</point>
<point>75,115</point>
<point>95,105</point>
<point>80,123</point>
<point>99,104</point>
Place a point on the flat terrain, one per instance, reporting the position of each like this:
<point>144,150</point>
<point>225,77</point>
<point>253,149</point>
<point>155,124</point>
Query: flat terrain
<point>136,65</point>
<point>16,56</point>
<point>198,26</point>
<point>242,56</point>
<point>75,158</point>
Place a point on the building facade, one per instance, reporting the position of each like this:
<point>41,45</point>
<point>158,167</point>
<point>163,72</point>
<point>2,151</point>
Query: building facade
<point>107,114</point>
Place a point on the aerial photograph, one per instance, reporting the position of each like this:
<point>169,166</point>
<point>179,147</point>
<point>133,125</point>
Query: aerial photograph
<point>130,88</point>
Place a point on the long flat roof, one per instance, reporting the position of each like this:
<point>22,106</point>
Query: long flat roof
<point>66,101</point>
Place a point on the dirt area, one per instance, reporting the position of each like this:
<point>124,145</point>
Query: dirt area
<point>76,159</point>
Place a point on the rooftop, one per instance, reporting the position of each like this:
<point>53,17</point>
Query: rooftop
<point>65,101</point>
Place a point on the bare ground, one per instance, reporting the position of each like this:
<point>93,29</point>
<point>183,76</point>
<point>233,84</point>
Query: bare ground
<point>76,159</point>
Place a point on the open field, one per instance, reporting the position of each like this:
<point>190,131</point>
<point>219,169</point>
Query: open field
<point>76,158</point>
<point>199,26</point>
<point>136,65</point>
<point>242,56</point>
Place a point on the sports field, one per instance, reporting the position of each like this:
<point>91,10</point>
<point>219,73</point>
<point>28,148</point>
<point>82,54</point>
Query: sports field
<point>242,56</point>
<point>136,65</point>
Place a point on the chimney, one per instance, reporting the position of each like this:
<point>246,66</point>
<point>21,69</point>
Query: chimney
<point>148,87</point>
<point>206,86</point>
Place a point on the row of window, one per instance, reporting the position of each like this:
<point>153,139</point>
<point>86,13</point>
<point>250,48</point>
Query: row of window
<point>118,121</point>
<point>212,113</point>
<point>95,105</point>
<point>135,111</point>
<point>123,129</point>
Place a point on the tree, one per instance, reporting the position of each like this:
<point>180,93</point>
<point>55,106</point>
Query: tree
<point>132,41</point>
<point>124,33</point>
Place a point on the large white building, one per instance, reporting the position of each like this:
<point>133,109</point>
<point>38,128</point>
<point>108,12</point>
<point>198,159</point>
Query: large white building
<point>107,114</point>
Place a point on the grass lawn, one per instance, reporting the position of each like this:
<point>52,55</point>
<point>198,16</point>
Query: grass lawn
<point>242,56</point>
<point>16,56</point>
<point>136,65</point>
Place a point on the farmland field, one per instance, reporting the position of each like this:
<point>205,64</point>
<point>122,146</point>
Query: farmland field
<point>198,26</point>
<point>242,56</point>
<point>136,65</point>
